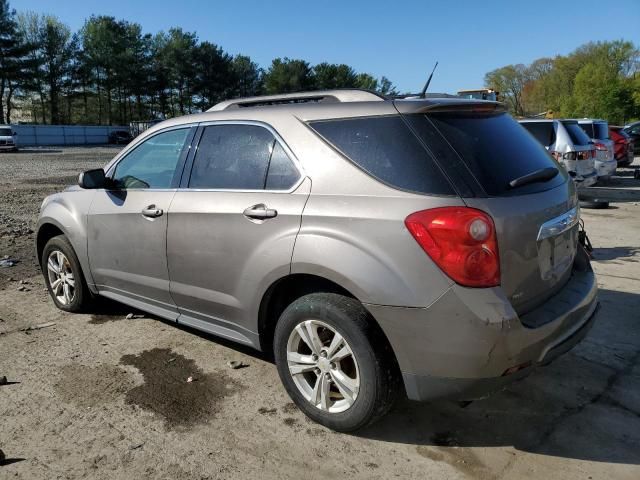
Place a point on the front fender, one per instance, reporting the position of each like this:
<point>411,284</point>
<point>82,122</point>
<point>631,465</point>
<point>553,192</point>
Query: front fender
<point>67,211</point>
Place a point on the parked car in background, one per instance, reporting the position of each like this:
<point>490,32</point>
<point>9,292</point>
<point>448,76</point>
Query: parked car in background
<point>633,130</point>
<point>622,145</point>
<point>598,132</point>
<point>370,244</point>
<point>120,137</point>
<point>569,145</point>
<point>8,139</point>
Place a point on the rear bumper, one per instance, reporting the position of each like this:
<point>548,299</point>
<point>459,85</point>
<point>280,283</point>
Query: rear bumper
<point>463,344</point>
<point>606,168</point>
<point>586,180</point>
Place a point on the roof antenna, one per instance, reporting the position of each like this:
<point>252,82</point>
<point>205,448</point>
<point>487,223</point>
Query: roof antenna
<point>423,93</point>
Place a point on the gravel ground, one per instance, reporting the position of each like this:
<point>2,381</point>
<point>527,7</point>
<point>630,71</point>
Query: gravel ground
<point>101,396</point>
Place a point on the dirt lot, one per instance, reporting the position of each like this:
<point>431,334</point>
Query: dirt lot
<point>102,396</point>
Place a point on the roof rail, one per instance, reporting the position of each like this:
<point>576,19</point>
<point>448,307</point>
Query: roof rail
<point>318,96</point>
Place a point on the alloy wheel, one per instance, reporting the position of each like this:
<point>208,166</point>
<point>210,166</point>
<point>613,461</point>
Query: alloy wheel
<point>323,366</point>
<point>61,277</point>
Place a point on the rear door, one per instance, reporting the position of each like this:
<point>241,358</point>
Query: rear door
<point>232,226</point>
<point>535,259</point>
<point>127,223</point>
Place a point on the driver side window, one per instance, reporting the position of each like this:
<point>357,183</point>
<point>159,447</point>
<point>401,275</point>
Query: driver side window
<point>153,163</point>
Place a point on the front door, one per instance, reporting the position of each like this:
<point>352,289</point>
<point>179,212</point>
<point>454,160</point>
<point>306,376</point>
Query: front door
<point>127,223</point>
<point>232,227</point>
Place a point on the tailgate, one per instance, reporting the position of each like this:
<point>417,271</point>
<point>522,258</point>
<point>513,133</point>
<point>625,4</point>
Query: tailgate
<point>537,241</point>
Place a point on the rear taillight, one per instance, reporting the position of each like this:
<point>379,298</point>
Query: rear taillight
<point>601,146</point>
<point>461,241</point>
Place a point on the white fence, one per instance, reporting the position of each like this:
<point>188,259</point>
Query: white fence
<point>29,135</point>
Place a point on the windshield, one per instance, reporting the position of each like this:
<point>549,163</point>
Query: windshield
<point>5,132</point>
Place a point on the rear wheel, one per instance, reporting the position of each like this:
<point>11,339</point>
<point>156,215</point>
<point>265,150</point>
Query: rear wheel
<point>63,276</point>
<point>334,363</point>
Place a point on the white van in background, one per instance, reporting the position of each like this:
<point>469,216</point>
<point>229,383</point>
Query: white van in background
<point>8,140</point>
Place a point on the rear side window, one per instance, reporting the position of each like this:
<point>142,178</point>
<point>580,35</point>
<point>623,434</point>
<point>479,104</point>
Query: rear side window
<point>494,147</point>
<point>385,148</point>
<point>542,131</point>
<point>577,135</point>
<point>241,157</point>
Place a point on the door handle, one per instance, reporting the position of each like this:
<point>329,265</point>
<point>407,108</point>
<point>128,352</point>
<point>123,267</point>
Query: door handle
<point>152,212</point>
<point>260,212</point>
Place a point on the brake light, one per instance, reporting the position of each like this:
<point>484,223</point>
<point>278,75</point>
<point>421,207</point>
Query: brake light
<point>601,147</point>
<point>461,241</point>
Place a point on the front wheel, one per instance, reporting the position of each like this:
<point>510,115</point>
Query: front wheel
<point>63,276</point>
<point>334,362</point>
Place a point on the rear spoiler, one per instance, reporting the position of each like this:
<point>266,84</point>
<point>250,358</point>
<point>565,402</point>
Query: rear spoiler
<point>408,106</point>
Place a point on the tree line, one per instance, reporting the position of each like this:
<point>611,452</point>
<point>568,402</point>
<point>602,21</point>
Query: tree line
<point>111,72</point>
<point>598,79</point>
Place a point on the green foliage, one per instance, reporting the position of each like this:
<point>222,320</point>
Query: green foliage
<point>598,79</point>
<point>286,75</point>
<point>110,72</point>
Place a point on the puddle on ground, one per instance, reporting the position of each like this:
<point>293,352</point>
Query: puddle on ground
<point>167,393</point>
<point>87,386</point>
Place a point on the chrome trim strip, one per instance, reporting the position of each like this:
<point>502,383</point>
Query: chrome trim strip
<point>559,224</point>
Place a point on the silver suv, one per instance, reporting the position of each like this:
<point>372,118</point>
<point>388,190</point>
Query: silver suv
<point>598,132</point>
<point>375,247</point>
<point>568,144</point>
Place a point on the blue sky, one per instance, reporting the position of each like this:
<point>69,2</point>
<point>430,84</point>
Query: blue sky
<point>400,39</point>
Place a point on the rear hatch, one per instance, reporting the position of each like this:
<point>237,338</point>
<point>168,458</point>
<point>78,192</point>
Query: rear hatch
<point>482,149</point>
<point>582,145</point>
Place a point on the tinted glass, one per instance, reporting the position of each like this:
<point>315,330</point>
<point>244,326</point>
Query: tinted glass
<point>282,174</point>
<point>577,135</point>
<point>232,157</point>
<point>152,164</point>
<point>542,131</point>
<point>5,132</point>
<point>602,131</point>
<point>588,129</point>
<point>494,147</point>
<point>385,148</point>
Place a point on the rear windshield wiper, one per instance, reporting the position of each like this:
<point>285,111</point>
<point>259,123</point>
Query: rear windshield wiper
<point>541,175</point>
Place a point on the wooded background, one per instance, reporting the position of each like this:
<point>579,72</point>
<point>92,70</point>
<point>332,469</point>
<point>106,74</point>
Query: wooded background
<point>111,73</point>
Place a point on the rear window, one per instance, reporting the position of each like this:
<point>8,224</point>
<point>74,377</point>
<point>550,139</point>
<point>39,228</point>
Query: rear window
<point>542,131</point>
<point>577,134</point>
<point>385,148</point>
<point>588,129</point>
<point>494,147</point>
<point>602,131</point>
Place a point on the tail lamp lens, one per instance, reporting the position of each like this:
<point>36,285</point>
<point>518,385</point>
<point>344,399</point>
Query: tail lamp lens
<point>601,147</point>
<point>461,241</point>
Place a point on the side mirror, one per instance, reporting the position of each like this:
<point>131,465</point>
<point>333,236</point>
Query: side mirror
<point>15,134</point>
<point>92,179</point>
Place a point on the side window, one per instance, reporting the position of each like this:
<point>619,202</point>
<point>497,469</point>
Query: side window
<point>153,163</point>
<point>543,131</point>
<point>282,174</point>
<point>241,157</point>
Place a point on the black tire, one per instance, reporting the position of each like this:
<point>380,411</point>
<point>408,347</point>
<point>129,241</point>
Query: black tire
<point>82,297</point>
<point>379,375</point>
<point>594,205</point>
